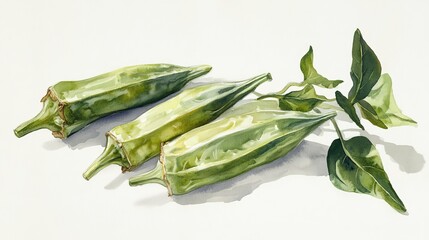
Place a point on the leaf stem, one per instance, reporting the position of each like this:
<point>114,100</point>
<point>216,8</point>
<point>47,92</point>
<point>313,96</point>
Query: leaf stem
<point>282,91</point>
<point>153,176</point>
<point>110,155</point>
<point>291,84</point>
<point>337,129</point>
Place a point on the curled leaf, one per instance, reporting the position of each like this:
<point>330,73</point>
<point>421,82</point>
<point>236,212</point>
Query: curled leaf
<point>348,108</point>
<point>380,107</point>
<point>355,166</point>
<point>310,74</point>
<point>365,70</point>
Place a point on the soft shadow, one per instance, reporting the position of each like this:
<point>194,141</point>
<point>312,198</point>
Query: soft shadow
<point>123,177</point>
<point>307,159</point>
<point>343,117</point>
<point>320,130</point>
<point>53,144</point>
<point>94,133</point>
<point>159,199</point>
<point>407,158</point>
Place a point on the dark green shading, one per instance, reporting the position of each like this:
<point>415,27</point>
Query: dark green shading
<point>365,70</point>
<point>303,100</point>
<point>355,166</point>
<point>348,108</point>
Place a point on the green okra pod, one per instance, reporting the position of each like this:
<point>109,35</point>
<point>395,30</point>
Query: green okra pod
<point>131,144</point>
<point>69,106</point>
<point>228,147</point>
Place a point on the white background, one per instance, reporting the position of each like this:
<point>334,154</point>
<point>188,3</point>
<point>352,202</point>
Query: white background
<point>42,192</point>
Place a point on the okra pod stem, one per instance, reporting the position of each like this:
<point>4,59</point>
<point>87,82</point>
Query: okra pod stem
<point>110,155</point>
<point>154,176</point>
<point>69,106</point>
<point>45,119</point>
<point>140,140</point>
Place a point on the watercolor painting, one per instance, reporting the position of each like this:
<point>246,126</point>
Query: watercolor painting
<point>195,153</point>
<point>275,127</point>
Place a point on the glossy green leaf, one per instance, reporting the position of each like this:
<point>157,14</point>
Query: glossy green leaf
<point>380,107</point>
<point>369,113</point>
<point>303,100</point>
<point>365,70</point>
<point>310,74</point>
<point>355,166</point>
<point>348,108</point>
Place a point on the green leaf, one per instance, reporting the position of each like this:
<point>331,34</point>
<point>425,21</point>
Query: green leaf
<point>310,74</point>
<point>365,70</point>
<point>355,166</point>
<point>303,100</point>
<point>348,108</point>
<point>369,113</point>
<point>380,107</point>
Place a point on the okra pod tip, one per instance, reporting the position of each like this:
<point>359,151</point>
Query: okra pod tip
<point>197,71</point>
<point>266,76</point>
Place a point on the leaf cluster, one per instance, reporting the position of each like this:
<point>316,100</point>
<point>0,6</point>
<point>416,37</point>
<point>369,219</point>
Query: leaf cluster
<point>354,165</point>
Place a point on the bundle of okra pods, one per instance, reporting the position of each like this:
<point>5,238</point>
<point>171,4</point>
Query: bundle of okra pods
<point>202,138</point>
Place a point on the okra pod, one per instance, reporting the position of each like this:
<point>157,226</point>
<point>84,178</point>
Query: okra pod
<point>131,144</point>
<point>228,147</point>
<point>249,106</point>
<point>69,106</point>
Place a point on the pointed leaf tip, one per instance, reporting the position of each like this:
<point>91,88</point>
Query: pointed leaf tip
<point>355,166</point>
<point>365,69</point>
<point>311,76</point>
